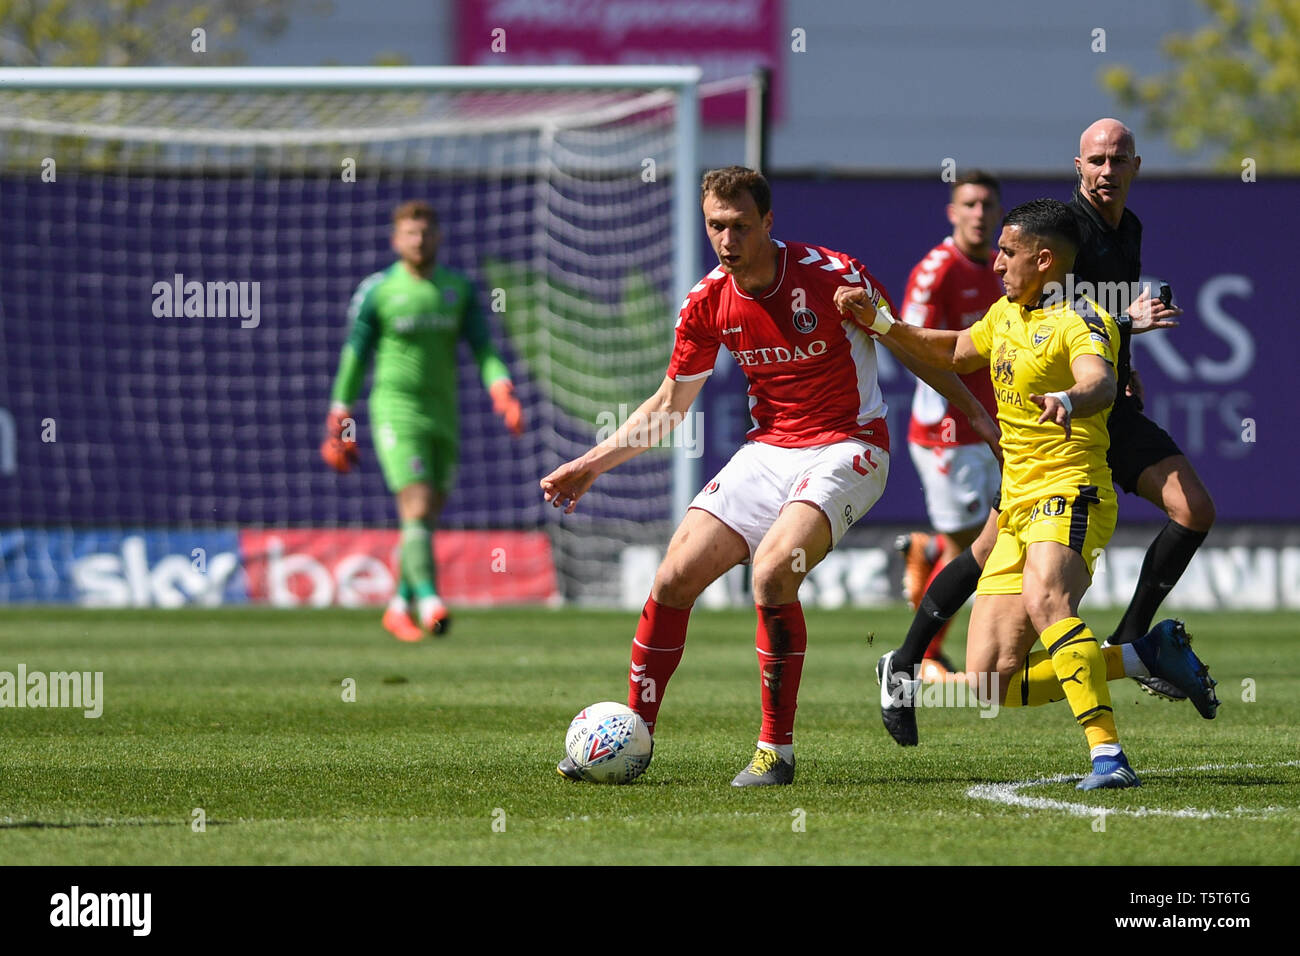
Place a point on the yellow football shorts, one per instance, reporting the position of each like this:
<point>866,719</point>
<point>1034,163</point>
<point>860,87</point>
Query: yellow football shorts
<point>1083,519</point>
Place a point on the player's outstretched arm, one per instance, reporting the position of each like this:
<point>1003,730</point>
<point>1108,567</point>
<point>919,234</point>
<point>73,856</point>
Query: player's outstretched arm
<point>1093,391</point>
<point>937,348</point>
<point>654,420</point>
<point>954,389</point>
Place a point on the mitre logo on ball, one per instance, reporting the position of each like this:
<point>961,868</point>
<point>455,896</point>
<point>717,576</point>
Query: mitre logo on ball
<point>609,743</point>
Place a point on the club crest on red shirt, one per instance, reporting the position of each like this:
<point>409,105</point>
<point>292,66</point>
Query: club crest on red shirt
<point>805,320</point>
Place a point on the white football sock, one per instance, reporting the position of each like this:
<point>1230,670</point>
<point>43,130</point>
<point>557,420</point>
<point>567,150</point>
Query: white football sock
<point>785,750</point>
<point>1133,666</point>
<point>1106,750</point>
<point>428,605</point>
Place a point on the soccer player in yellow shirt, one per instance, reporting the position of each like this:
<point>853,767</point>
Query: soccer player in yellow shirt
<point>1053,370</point>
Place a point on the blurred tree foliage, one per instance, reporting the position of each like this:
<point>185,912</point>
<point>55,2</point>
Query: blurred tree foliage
<point>137,32</point>
<point>1235,86</point>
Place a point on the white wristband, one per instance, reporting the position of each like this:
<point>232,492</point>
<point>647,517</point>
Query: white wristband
<point>883,320</point>
<point>1064,399</point>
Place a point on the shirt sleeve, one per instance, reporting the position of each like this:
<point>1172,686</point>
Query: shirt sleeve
<point>695,344</point>
<point>1095,333</point>
<point>363,332</point>
<point>981,333</point>
<point>474,330</point>
<point>923,296</point>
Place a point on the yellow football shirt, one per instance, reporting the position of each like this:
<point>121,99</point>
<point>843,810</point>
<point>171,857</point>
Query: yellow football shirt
<point>1030,351</point>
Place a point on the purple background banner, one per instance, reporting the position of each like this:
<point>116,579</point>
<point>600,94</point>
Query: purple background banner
<point>153,414</point>
<point>1223,245</point>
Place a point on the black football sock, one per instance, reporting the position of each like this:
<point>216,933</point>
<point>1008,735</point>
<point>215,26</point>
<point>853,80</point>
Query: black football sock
<point>944,598</point>
<point>1164,564</point>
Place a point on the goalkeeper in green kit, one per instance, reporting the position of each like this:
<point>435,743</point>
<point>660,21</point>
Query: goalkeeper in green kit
<point>409,318</point>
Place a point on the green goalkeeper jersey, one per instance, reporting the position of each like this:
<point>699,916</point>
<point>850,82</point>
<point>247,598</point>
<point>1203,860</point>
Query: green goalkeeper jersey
<point>410,327</point>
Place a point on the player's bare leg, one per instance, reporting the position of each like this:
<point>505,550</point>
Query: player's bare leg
<point>955,542</point>
<point>999,637</point>
<point>702,549</point>
<point>418,507</point>
<point>1054,581</point>
<point>1173,486</point>
<point>797,541</point>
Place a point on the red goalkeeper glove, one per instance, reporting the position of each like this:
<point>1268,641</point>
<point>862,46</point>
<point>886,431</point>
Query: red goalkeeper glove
<point>340,446</point>
<point>507,406</point>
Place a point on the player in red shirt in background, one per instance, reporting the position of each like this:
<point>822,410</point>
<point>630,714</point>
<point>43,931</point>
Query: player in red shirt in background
<point>952,287</point>
<point>815,460</point>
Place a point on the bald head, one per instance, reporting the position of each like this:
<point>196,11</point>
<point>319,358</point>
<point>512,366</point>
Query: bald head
<point>1106,164</point>
<point>1108,132</point>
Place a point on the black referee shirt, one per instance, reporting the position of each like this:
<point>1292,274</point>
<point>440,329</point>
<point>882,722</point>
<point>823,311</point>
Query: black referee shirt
<point>1109,255</point>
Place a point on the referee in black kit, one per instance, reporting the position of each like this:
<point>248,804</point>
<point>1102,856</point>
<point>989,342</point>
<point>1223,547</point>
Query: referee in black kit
<point>1144,460</point>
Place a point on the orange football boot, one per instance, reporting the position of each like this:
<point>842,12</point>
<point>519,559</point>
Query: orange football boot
<point>399,624</point>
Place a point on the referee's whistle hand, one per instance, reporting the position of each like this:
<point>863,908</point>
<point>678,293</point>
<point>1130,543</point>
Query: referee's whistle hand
<point>1147,314</point>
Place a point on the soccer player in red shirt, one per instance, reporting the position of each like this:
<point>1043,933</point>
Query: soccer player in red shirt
<point>952,287</point>
<point>815,460</point>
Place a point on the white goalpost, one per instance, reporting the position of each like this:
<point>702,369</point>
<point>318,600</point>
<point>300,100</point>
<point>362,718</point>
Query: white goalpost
<point>569,195</point>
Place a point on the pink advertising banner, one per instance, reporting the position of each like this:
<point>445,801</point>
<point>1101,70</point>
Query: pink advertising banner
<point>725,38</point>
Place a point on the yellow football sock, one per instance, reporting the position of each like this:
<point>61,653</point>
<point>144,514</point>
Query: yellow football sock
<point>1114,662</point>
<point>1081,670</point>
<point>1034,684</point>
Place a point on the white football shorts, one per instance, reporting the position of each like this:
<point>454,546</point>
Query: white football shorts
<point>844,480</point>
<point>961,483</point>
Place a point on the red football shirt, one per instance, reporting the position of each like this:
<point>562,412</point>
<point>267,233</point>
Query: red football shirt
<point>811,371</point>
<point>949,290</point>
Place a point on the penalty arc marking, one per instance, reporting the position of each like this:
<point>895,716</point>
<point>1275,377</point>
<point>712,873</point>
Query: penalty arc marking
<point>1008,794</point>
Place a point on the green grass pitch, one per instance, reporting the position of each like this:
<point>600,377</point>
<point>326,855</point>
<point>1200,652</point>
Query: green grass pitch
<point>447,755</point>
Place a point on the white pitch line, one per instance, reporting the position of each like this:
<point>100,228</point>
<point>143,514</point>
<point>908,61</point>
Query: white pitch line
<point>1009,794</point>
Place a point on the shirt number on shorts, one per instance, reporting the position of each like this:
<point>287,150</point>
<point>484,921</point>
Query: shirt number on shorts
<point>1051,507</point>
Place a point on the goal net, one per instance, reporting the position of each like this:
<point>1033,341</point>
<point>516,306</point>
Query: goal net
<point>178,266</point>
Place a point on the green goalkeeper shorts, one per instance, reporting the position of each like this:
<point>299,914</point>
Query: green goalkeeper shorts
<point>408,455</point>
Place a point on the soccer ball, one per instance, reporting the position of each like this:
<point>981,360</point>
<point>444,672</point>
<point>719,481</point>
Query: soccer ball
<point>610,743</point>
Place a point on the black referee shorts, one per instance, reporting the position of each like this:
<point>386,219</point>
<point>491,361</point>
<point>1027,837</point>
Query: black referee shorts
<point>1136,443</point>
